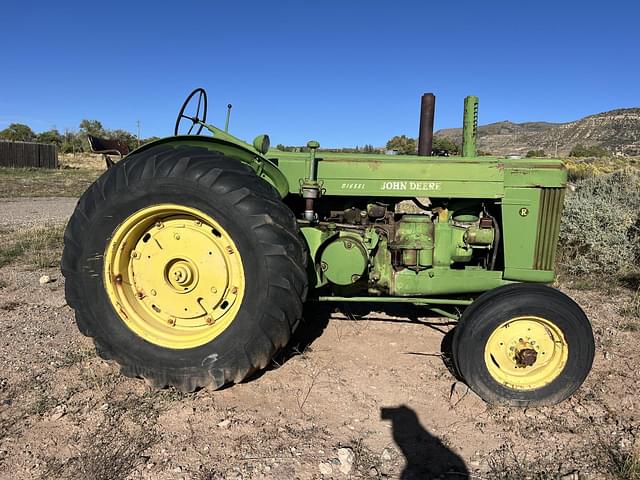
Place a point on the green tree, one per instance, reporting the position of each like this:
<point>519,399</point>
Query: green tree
<point>287,148</point>
<point>595,151</point>
<point>71,142</point>
<point>442,143</point>
<point>50,136</point>
<point>18,132</point>
<point>149,140</point>
<point>403,145</point>
<point>535,154</point>
<point>124,136</point>
<point>369,149</point>
<point>92,127</point>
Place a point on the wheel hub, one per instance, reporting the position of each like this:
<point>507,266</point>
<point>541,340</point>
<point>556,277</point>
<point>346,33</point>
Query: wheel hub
<point>526,353</point>
<point>182,275</point>
<point>174,276</point>
<point>526,357</point>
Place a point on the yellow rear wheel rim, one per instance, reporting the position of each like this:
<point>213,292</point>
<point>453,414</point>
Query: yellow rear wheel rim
<point>526,353</point>
<point>174,276</point>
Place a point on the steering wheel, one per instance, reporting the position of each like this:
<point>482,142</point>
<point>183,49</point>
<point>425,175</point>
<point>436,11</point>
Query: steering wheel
<point>195,119</point>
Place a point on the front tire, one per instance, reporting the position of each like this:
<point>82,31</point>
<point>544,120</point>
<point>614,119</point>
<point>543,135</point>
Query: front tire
<point>524,344</point>
<point>185,267</point>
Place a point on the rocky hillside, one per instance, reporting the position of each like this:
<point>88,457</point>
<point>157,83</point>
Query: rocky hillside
<point>616,130</point>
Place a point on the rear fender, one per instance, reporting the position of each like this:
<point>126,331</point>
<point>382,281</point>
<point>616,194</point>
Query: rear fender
<point>263,167</point>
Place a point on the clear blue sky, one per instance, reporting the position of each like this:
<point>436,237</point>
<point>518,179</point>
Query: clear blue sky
<point>342,72</point>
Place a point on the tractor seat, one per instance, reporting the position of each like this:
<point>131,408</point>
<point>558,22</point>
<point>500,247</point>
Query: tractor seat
<point>106,146</point>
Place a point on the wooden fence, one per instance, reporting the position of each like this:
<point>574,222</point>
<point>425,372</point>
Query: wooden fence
<point>28,154</point>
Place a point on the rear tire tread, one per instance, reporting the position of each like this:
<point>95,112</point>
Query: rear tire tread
<point>222,175</point>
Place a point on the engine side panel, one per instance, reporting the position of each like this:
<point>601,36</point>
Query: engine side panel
<point>412,176</point>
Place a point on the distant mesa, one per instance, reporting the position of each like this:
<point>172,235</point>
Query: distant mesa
<point>617,130</point>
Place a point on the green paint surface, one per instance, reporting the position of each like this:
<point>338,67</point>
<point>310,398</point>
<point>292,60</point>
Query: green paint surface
<point>431,256</point>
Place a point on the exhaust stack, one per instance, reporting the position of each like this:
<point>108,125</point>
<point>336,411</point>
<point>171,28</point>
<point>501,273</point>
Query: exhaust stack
<point>427,112</point>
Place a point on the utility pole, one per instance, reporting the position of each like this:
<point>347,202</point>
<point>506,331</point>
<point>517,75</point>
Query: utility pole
<point>138,122</point>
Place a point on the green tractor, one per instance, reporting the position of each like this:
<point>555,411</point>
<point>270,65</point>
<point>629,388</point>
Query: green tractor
<point>189,261</point>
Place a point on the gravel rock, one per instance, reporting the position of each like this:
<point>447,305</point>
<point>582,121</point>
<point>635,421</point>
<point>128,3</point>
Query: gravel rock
<point>386,455</point>
<point>58,412</point>
<point>346,457</point>
<point>224,424</point>
<point>571,476</point>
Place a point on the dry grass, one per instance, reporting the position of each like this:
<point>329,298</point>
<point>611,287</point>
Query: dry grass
<point>592,167</point>
<point>39,182</point>
<point>41,247</point>
<point>110,454</point>
<point>631,314</point>
<point>507,464</point>
<point>623,465</point>
<point>630,326</point>
<point>88,161</point>
<point>366,462</point>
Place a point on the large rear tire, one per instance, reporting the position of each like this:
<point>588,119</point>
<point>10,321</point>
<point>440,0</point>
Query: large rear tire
<point>185,267</point>
<point>523,344</point>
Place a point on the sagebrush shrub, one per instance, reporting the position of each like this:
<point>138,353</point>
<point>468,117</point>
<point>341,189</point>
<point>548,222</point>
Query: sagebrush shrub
<point>600,230</point>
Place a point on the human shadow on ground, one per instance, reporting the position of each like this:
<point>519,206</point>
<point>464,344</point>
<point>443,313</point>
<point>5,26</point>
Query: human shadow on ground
<point>425,455</point>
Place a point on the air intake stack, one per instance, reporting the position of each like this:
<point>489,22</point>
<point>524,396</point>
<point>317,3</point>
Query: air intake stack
<point>470,126</point>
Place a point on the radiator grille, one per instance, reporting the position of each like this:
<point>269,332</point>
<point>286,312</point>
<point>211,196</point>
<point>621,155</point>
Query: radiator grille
<point>551,203</point>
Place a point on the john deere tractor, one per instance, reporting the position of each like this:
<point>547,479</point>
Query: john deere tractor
<point>189,261</point>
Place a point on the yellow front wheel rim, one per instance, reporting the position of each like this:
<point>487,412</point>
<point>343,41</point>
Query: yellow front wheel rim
<point>174,276</point>
<point>526,353</point>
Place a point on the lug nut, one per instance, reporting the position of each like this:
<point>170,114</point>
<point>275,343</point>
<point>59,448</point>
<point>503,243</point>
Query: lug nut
<point>210,321</point>
<point>234,290</point>
<point>214,290</point>
<point>118,278</point>
<point>153,292</point>
<point>176,236</point>
<point>172,322</point>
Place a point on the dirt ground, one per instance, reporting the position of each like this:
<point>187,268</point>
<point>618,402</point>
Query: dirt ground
<point>356,395</point>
